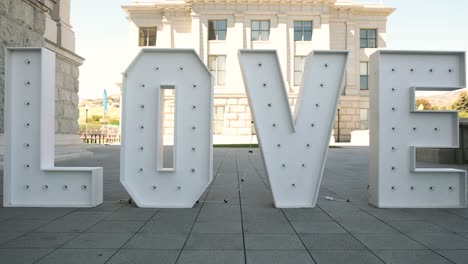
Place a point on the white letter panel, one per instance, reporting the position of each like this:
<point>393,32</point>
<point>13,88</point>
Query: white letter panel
<point>397,129</point>
<point>30,177</point>
<point>294,148</point>
<point>142,175</point>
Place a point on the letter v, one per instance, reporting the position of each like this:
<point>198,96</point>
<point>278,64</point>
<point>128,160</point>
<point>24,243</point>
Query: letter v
<point>294,149</point>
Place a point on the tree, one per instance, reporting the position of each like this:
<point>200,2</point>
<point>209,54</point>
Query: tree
<point>461,103</point>
<point>426,105</point>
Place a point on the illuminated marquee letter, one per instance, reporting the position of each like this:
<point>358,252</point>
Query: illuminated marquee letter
<point>397,129</point>
<point>156,81</point>
<point>30,177</point>
<point>294,148</point>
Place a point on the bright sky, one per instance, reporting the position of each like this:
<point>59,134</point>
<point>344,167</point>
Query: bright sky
<point>101,31</point>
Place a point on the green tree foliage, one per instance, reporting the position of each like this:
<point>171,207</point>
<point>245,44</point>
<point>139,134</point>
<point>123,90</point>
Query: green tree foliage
<point>426,104</point>
<point>461,103</point>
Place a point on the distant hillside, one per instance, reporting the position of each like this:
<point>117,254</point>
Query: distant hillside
<point>444,99</point>
<point>113,100</point>
<point>95,110</point>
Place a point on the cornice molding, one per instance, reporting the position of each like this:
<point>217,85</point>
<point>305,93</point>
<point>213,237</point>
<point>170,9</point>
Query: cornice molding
<point>64,54</point>
<point>42,5</point>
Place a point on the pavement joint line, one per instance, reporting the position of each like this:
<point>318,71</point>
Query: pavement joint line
<point>437,253</point>
<point>77,234</point>
<point>284,214</point>
<point>199,210</point>
<point>239,186</point>
<point>338,223</point>
<point>406,235</point>
<point>146,222</point>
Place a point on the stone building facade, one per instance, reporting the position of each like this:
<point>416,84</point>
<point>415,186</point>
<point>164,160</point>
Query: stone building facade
<point>45,23</point>
<point>217,29</point>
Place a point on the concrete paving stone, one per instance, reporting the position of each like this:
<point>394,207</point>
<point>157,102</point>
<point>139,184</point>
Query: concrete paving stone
<point>454,224</point>
<point>77,221</point>
<point>273,242</point>
<point>388,241</point>
<point>463,212</point>
<point>40,240</point>
<point>330,241</point>
<point>211,214</point>
<point>417,227</point>
<point>263,215</point>
<point>109,206</point>
<point>167,227</point>
<point>356,226</point>
<point>78,256</point>
<point>20,226</point>
<point>7,236</point>
<point>184,215</point>
<point>306,215</point>
<point>268,227</point>
<point>258,203</point>
<point>279,257</point>
<point>389,214</point>
<point>423,213</point>
<point>220,195</point>
<point>345,257</point>
<point>339,210</point>
<point>456,256</point>
<point>34,213</point>
<point>410,256</point>
<point>441,240</point>
<point>22,255</point>
<point>212,257</point>
<point>8,213</point>
<point>215,242</point>
<point>156,241</point>
<point>144,256</point>
<point>116,227</point>
<point>99,240</point>
<point>218,227</point>
<point>317,227</point>
<point>132,214</point>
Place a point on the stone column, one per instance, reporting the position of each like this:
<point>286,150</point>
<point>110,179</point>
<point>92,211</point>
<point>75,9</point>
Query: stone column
<point>351,82</point>
<point>167,34</point>
<point>196,33</point>
<point>282,47</point>
<point>65,33</point>
<point>325,31</point>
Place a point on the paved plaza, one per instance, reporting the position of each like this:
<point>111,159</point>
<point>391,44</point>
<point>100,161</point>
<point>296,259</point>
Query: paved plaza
<point>246,229</point>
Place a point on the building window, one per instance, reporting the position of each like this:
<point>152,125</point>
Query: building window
<point>217,29</point>
<point>363,119</point>
<point>298,69</point>
<point>303,30</point>
<point>368,38</point>
<point>364,76</point>
<point>218,120</point>
<point>260,30</point>
<point>217,66</point>
<point>147,36</point>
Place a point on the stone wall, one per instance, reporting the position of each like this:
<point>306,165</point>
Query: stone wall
<point>66,98</point>
<point>21,25</point>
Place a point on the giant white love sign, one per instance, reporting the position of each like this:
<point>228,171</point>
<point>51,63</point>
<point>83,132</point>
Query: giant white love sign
<point>397,129</point>
<point>30,177</point>
<point>158,79</point>
<point>295,147</point>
